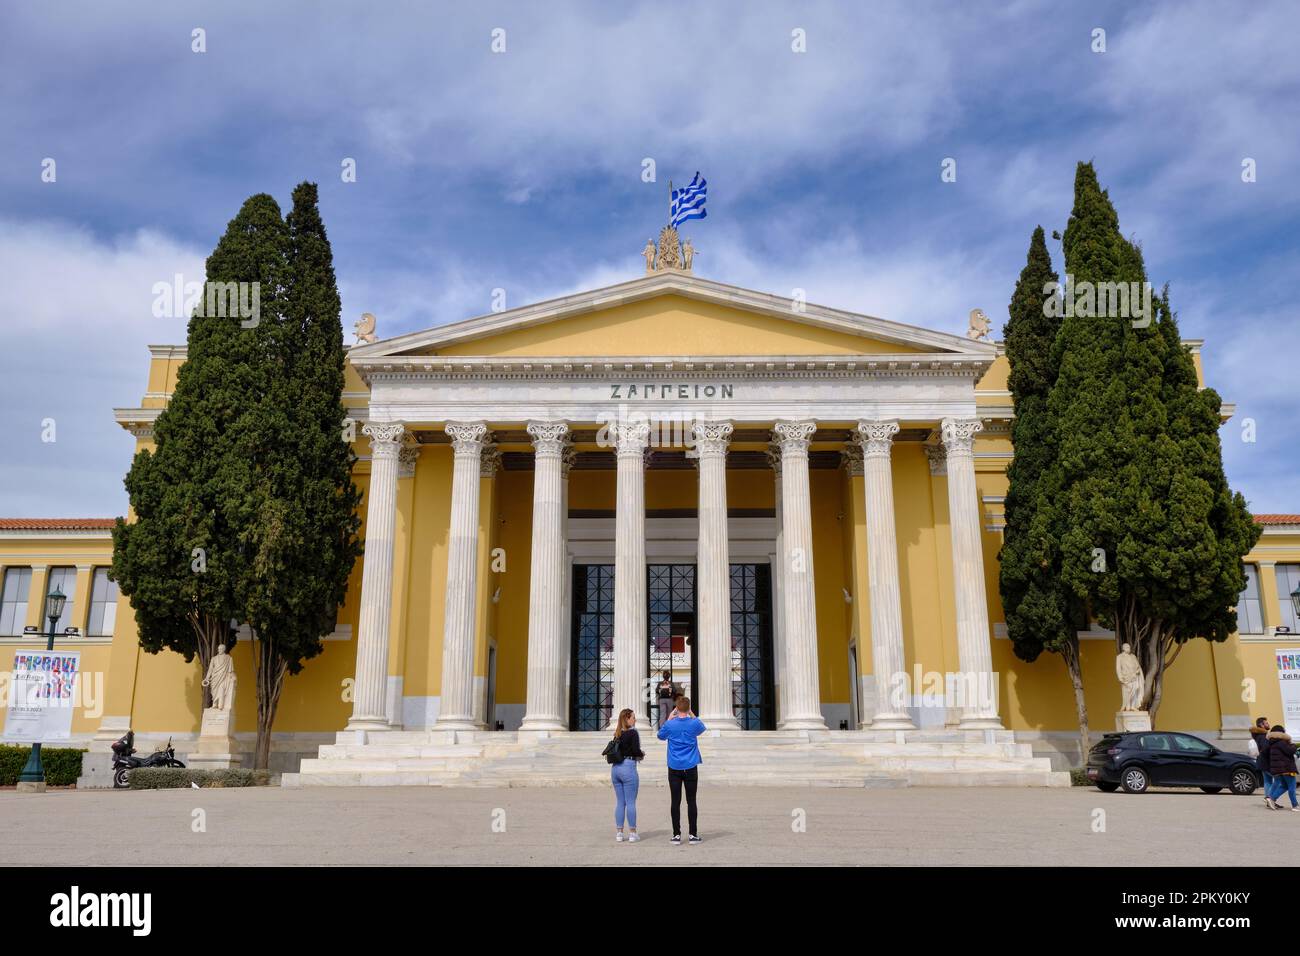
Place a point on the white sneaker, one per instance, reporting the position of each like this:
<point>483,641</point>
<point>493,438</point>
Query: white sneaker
<point>1268,802</point>
<point>633,838</point>
<point>1295,809</point>
<point>618,837</point>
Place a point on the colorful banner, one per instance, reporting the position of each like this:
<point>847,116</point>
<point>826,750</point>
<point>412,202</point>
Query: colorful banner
<point>1288,678</point>
<point>41,696</point>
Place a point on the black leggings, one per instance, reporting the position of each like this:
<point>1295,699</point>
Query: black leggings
<point>675,780</point>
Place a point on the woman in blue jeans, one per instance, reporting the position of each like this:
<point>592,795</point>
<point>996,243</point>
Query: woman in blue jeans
<point>623,775</point>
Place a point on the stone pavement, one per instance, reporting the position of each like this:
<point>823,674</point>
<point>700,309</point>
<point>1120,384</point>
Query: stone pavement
<point>573,826</point>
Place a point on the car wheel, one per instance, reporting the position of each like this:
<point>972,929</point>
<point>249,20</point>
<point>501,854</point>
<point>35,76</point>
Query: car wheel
<point>1107,787</point>
<point>1243,782</point>
<point>1210,789</point>
<point>1134,780</point>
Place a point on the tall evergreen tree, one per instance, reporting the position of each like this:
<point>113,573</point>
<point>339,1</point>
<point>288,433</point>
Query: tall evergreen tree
<point>1150,536</point>
<point>178,560</point>
<point>1038,609</point>
<point>299,518</point>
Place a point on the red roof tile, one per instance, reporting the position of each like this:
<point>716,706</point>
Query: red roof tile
<point>56,524</point>
<point>1277,519</point>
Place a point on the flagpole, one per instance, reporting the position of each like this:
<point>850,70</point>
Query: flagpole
<point>670,202</point>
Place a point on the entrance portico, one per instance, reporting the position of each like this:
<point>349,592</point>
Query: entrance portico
<point>717,413</point>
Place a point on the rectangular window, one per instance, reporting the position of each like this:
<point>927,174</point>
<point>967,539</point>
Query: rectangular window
<point>1288,579</point>
<point>66,581</point>
<point>13,601</point>
<point>103,604</point>
<point>1249,618</point>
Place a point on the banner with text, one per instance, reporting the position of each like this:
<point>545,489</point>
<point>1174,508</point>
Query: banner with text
<point>41,696</point>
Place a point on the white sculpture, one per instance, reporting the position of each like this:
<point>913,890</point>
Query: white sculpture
<point>221,679</point>
<point>649,253</point>
<point>979,326</point>
<point>365,329</point>
<point>688,255</point>
<point>1131,680</point>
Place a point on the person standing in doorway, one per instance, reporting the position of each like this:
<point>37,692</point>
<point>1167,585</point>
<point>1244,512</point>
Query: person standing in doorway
<point>623,774</point>
<point>682,730</point>
<point>1259,745</point>
<point>665,694</point>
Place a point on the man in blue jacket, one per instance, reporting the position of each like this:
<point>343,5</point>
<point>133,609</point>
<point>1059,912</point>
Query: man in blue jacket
<point>681,730</point>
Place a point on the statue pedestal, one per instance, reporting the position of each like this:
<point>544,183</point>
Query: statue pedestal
<point>1132,721</point>
<point>217,749</point>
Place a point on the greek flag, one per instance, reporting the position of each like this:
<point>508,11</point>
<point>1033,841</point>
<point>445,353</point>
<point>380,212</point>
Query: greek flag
<point>688,202</point>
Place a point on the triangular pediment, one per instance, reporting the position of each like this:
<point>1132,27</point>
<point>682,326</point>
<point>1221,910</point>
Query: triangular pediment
<point>673,314</point>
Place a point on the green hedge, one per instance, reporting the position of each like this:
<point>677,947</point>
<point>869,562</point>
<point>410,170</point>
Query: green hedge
<point>62,764</point>
<point>168,778</point>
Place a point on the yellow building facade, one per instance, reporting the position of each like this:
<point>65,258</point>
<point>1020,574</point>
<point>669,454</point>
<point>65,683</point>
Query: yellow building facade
<point>794,510</point>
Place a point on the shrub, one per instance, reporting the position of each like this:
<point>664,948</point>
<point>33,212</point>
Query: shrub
<point>169,778</point>
<point>62,764</point>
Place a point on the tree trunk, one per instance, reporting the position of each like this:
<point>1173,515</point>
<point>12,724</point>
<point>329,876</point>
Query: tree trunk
<point>271,669</point>
<point>1070,654</point>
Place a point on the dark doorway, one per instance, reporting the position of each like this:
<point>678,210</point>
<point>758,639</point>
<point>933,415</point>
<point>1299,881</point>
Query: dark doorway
<point>671,629</point>
<point>752,673</point>
<point>591,683</point>
<point>670,604</point>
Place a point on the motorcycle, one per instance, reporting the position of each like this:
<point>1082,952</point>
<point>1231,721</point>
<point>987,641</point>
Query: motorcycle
<point>124,758</point>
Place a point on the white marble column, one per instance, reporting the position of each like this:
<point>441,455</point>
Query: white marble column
<point>716,705</point>
<point>800,693</point>
<point>546,630</point>
<point>370,689</point>
<point>630,649</point>
<point>887,661</point>
<point>456,706</point>
<point>979,708</point>
<point>778,586</point>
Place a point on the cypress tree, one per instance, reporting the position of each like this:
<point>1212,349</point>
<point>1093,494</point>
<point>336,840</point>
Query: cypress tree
<point>1150,536</point>
<point>300,516</point>
<point>1038,609</point>
<point>179,560</point>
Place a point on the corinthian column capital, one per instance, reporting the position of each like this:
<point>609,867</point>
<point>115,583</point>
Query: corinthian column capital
<point>712,438</point>
<point>467,438</point>
<point>851,458</point>
<point>876,438</point>
<point>793,437</point>
<point>631,437</point>
<point>385,438</point>
<point>549,438</point>
<point>959,435</point>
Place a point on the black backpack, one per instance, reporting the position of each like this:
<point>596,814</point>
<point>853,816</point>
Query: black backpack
<point>612,752</point>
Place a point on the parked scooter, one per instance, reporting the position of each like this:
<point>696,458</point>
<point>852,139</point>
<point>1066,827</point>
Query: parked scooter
<point>124,758</point>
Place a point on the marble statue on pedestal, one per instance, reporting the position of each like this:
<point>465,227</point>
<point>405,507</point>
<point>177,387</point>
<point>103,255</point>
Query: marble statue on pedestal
<point>220,679</point>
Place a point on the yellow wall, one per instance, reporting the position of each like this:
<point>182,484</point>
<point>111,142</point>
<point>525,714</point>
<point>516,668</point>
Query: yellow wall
<point>672,325</point>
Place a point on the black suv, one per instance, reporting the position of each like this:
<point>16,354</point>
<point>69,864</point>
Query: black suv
<point>1139,761</point>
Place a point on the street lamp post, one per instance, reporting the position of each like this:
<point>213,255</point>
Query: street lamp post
<point>32,779</point>
<point>1295,601</point>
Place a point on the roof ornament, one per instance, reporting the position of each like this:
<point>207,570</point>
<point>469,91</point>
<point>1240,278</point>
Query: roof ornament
<point>979,326</point>
<point>365,329</point>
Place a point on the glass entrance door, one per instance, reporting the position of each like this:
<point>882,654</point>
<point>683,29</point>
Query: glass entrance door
<point>670,604</point>
<point>591,681</point>
<point>671,627</point>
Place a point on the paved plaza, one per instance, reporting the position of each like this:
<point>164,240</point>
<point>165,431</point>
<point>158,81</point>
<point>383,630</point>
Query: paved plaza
<point>573,826</point>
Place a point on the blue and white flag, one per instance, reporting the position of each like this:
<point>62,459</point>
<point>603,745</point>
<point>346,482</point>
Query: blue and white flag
<point>688,202</point>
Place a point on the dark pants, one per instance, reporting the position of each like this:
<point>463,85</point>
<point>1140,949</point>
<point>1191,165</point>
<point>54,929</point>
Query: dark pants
<point>675,780</point>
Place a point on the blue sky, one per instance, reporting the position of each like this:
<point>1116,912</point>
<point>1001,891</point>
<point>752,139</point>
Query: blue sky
<point>522,170</point>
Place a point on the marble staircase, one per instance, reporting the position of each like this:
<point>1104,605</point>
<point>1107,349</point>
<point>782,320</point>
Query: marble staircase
<point>755,758</point>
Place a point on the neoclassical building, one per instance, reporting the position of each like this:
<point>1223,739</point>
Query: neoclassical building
<point>795,510</point>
